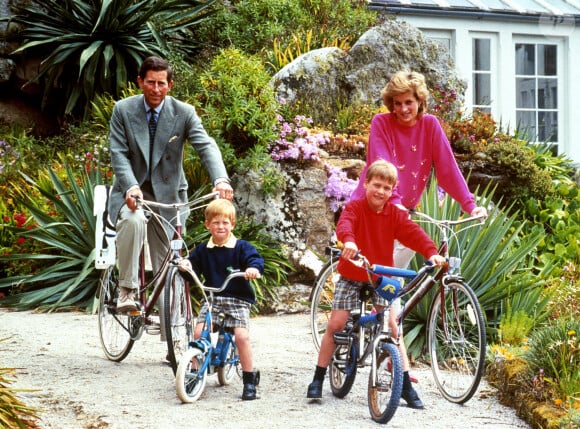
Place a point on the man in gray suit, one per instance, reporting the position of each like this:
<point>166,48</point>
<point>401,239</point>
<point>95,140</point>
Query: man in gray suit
<point>147,139</point>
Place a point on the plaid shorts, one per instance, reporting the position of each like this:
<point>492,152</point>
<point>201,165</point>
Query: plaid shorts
<point>347,295</point>
<point>237,311</point>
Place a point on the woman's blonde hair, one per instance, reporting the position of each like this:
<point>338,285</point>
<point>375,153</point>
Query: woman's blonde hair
<point>383,170</point>
<point>403,82</point>
<point>220,207</point>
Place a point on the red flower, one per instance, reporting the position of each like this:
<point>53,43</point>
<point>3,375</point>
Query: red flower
<point>20,241</point>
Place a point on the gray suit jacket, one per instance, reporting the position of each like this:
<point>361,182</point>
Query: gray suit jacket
<point>129,144</point>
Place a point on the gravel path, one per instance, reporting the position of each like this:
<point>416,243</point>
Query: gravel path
<point>77,387</point>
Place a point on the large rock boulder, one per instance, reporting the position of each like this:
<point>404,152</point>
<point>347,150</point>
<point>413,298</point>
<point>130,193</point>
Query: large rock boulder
<point>328,79</point>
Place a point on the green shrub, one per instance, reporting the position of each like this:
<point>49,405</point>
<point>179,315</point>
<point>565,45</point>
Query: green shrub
<point>255,25</point>
<point>237,104</point>
<point>553,350</point>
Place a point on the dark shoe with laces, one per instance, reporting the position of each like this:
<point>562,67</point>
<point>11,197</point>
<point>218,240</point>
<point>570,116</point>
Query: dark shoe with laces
<point>412,399</point>
<point>315,389</point>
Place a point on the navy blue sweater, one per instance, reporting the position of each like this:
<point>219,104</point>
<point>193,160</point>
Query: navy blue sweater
<point>216,263</point>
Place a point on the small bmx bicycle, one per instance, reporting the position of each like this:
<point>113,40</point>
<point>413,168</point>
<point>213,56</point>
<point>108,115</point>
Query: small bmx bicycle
<point>205,357</point>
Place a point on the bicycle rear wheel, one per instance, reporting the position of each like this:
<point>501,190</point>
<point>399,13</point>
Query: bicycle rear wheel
<point>384,391</point>
<point>321,300</point>
<point>343,369</point>
<point>457,342</point>
<point>113,328</point>
<point>189,383</point>
<point>177,313</point>
<point>231,367</point>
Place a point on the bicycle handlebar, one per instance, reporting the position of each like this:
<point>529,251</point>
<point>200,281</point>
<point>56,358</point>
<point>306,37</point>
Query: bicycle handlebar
<point>193,278</point>
<point>445,222</point>
<point>144,202</point>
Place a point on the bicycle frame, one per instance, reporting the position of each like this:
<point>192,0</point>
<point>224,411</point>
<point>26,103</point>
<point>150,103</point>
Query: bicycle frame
<point>423,282</point>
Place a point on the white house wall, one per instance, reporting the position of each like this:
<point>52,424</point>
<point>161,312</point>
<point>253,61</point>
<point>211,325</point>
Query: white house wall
<point>504,35</point>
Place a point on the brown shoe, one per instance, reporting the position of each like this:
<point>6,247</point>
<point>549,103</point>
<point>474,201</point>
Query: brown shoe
<point>126,301</point>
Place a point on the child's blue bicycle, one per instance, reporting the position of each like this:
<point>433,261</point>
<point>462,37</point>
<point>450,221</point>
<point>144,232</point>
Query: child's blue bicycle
<point>203,358</point>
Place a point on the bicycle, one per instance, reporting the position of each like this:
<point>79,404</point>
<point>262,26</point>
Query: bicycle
<point>366,335</point>
<point>202,357</point>
<point>165,291</point>
<point>455,328</point>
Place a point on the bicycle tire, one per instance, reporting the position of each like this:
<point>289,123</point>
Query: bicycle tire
<point>321,298</point>
<point>189,384</point>
<point>342,371</point>
<point>114,329</point>
<point>229,370</point>
<point>177,315</point>
<point>384,391</point>
<point>458,356</point>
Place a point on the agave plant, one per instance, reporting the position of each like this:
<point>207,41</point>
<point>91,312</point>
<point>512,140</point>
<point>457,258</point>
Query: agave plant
<point>96,46</point>
<point>497,262</point>
<point>70,279</point>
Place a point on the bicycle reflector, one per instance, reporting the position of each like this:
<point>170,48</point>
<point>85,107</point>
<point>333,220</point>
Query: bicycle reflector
<point>387,287</point>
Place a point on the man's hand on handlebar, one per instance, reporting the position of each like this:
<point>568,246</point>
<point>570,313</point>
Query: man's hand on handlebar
<point>225,189</point>
<point>133,197</point>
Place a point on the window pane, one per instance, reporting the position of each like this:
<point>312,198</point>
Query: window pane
<point>547,60</point>
<point>525,59</point>
<point>547,126</point>
<point>547,94</point>
<point>481,89</point>
<point>527,125</point>
<point>481,54</point>
<point>525,93</point>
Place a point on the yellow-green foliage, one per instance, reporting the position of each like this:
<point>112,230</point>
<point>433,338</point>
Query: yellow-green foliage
<point>515,327</point>
<point>13,412</point>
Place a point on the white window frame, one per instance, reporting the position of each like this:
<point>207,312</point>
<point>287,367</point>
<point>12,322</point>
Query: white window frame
<point>560,78</point>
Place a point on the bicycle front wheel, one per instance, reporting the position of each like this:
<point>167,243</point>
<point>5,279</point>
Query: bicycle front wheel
<point>231,367</point>
<point>343,367</point>
<point>457,342</point>
<point>385,388</point>
<point>113,328</point>
<point>189,382</point>
<point>321,300</point>
<point>177,313</point>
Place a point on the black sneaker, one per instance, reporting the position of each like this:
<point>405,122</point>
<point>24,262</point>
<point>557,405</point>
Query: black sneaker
<point>412,399</point>
<point>315,389</point>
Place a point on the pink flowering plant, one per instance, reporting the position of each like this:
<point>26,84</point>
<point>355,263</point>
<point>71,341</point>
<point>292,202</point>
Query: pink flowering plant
<point>338,187</point>
<point>296,141</point>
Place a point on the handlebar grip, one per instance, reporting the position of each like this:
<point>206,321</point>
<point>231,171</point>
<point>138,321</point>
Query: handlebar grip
<point>393,271</point>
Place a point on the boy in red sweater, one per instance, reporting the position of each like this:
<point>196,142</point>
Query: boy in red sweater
<point>370,226</point>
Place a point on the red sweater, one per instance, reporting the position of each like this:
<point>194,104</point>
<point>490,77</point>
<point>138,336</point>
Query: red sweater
<point>375,235</point>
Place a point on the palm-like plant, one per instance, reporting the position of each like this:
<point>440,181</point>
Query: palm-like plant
<point>497,262</point>
<point>70,279</point>
<point>95,46</point>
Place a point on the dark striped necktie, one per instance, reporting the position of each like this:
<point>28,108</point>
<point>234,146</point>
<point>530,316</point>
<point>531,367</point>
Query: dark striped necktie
<point>152,129</point>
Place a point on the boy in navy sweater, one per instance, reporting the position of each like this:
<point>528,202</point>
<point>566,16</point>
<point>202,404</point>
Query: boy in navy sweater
<point>215,260</point>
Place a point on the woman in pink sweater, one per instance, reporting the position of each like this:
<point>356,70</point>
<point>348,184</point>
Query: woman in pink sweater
<point>416,144</point>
